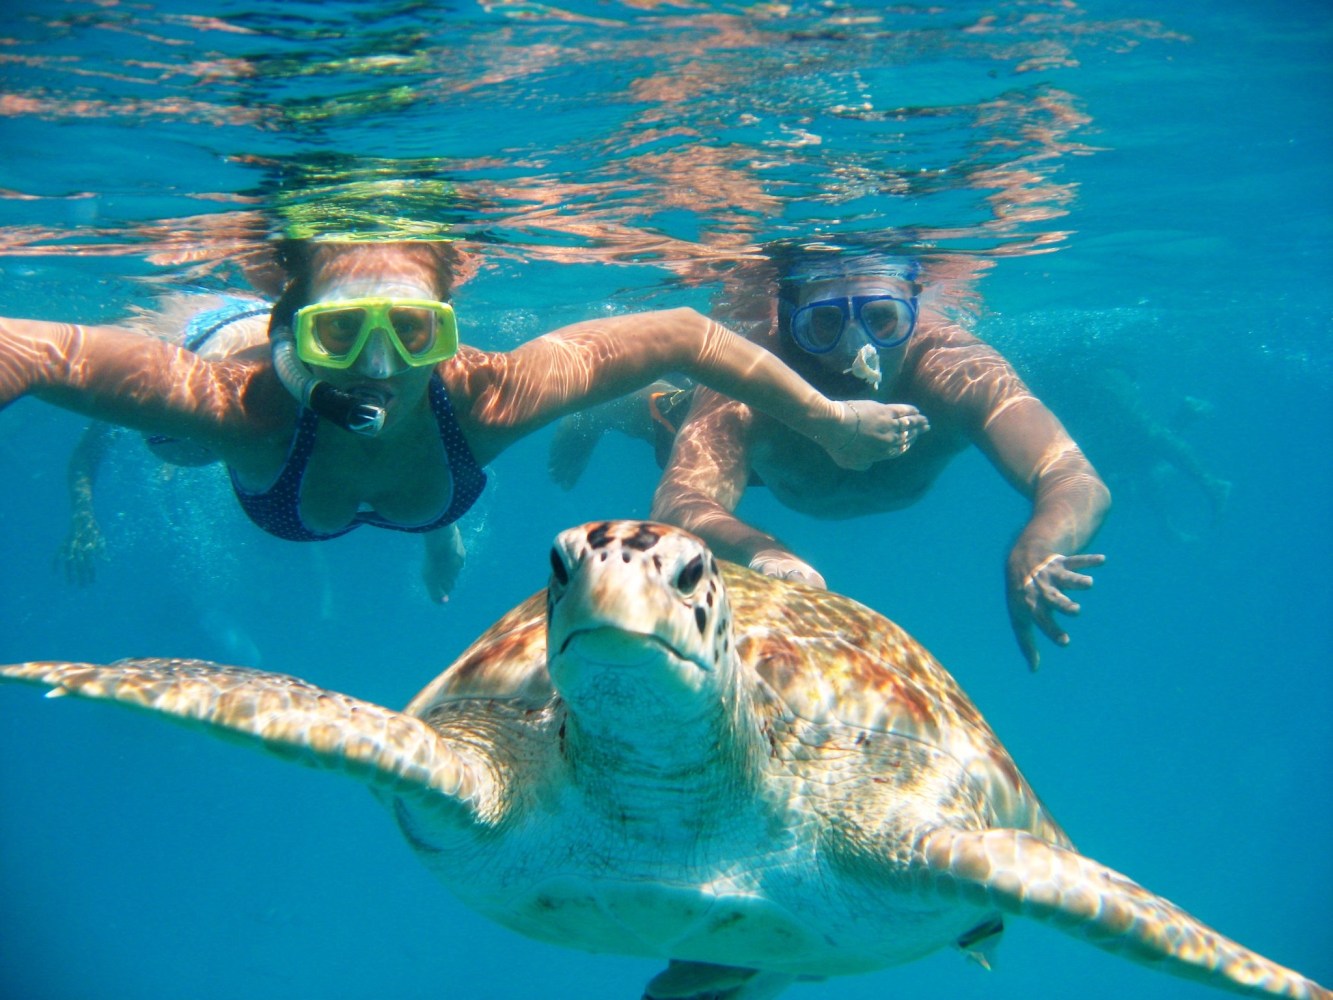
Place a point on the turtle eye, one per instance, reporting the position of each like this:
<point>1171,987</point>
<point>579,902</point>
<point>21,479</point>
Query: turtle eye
<point>689,577</point>
<point>558,569</point>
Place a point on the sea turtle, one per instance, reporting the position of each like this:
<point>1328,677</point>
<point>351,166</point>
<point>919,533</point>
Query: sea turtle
<point>665,755</point>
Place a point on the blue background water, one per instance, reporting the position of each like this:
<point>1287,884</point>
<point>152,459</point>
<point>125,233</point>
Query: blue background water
<point>1183,738</point>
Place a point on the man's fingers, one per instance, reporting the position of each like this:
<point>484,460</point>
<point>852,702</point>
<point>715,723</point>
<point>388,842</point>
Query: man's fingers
<point>903,410</point>
<point>1074,581</point>
<point>1027,644</point>
<point>1050,629</point>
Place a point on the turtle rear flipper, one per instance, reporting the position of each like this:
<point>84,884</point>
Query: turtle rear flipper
<point>702,981</point>
<point>1027,876</point>
<point>392,752</point>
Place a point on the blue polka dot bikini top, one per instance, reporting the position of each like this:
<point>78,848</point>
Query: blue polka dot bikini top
<point>278,509</point>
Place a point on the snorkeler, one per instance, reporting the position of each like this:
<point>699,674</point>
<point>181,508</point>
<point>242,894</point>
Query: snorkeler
<point>366,410</point>
<point>855,327</point>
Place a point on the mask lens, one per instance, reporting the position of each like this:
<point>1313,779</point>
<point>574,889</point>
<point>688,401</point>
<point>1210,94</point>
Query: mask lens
<point>818,327</point>
<point>415,328</point>
<point>338,329</point>
<point>886,321</point>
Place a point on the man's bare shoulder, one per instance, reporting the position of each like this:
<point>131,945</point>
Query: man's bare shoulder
<point>949,366</point>
<point>936,332</point>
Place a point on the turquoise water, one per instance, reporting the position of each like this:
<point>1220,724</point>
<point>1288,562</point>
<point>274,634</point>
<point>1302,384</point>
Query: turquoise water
<point>1145,197</point>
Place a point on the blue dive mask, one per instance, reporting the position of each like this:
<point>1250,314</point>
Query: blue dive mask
<point>887,320</point>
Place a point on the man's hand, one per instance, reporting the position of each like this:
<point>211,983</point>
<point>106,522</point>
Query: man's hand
<point>1035,595</point>
<point>782,565</point>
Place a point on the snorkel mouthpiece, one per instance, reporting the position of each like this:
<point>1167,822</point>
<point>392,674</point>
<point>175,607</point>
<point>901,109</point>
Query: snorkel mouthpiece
<point>866,366</point>
<point>361,414</point>
<point>358,413</point>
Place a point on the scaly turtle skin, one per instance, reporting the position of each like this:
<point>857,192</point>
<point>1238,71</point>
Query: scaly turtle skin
<point>754,780</point>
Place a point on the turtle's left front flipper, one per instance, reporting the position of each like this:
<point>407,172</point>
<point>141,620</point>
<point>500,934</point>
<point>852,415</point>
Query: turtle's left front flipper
<point>1027,876</point>
<point>299,722</point>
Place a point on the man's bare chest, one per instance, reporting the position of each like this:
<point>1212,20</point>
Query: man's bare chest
<point>802,476</point>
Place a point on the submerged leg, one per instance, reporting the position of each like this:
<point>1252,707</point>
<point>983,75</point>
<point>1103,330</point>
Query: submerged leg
<point>577,434</point>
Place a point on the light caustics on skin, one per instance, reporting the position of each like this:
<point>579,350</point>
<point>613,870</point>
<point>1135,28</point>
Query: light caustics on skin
<point>53,355</point>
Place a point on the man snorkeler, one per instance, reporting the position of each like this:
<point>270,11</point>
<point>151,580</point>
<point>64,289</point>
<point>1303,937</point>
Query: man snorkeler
<point>854,326</point>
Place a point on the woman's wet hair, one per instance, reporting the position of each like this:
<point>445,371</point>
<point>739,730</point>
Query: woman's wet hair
<point>292,258</point>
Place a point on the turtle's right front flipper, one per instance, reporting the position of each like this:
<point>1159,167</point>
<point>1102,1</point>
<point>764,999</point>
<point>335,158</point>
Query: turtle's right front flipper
<point>387,750</point>
<point>1021,874</point>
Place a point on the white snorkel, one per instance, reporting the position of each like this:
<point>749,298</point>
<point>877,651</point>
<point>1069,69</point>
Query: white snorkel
<point>865,366</point>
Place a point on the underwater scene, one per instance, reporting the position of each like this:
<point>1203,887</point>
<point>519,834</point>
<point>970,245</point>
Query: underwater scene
<point>1130,201</point>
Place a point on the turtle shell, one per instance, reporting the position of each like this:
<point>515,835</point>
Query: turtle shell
<point>830,677</point>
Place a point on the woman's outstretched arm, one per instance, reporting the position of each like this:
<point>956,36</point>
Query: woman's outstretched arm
<point>514,393</point>
<point>126,378</point>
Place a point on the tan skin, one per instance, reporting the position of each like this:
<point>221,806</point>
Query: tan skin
<point>971,396</point>
<point>237,406</point>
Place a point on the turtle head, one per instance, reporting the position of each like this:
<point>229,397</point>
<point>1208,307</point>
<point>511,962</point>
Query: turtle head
<point>638,625</point>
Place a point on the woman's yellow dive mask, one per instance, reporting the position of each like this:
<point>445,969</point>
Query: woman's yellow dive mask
<point>333,334</point>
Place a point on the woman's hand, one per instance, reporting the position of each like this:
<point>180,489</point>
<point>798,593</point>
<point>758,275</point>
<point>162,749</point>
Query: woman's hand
<point>1036,594</point>
<point>869,432</point>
